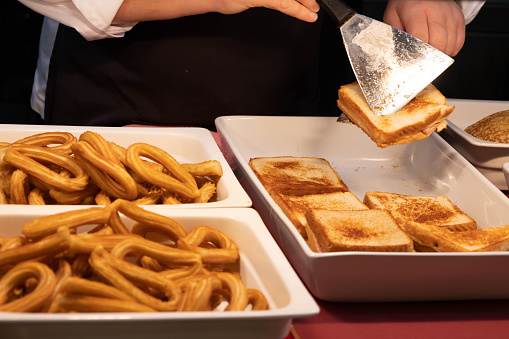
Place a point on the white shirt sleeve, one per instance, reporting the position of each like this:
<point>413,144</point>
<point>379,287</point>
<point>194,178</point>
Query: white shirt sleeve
<point>470,9</point>
<point>91,18</point>
<point>47,40</point>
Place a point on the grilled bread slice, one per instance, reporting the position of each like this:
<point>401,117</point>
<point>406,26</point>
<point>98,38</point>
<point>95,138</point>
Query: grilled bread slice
<point>297,175</point>
<point>417,120</point>
<point>437,211</point>
<point>295,207</point>
<point>366,230</point>
<point>431,238</point>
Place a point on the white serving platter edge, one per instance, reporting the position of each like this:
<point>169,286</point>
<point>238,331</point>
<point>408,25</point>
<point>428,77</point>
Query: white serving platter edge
<point>262,266</point>
<point>185,144</point>
<point>488,157</point>
<point>426,167</point>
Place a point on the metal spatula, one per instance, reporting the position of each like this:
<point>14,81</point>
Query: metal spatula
<point>391,66</point>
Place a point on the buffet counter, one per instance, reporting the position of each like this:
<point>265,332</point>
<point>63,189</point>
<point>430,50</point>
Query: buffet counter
<point>440,319</point>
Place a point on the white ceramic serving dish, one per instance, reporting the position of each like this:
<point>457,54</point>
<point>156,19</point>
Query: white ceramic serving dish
<point>262,266</point>
<point>426,167</point>
<point>186,145</point>
<point>505,170</point>
<point>488,157</point>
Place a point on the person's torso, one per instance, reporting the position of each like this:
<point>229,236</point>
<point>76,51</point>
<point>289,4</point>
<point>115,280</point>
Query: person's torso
<point>186,71</point>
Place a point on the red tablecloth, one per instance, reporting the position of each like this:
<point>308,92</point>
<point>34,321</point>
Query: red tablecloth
<point>445,319</point>
<point>454,319</point>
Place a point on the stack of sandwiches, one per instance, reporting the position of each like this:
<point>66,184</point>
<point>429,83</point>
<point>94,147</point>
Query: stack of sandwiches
<point>331,218</point>
<point>423,115</point>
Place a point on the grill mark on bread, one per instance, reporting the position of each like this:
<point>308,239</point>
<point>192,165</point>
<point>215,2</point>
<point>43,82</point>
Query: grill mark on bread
<point>357,233</point>
<point>297,175</point>
<point>404,211</point>
<point>437,211</point>
<point>361,230</point>
<point>286,165</point>
<point>434,213</point>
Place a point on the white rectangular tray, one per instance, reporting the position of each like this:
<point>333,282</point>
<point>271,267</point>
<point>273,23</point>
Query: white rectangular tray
<point>488,157</point>
<point>263,266</point>
<point>426,167</point>
<point>186,145</point>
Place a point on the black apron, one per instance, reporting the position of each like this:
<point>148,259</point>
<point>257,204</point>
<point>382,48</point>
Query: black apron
<point>188,71</point>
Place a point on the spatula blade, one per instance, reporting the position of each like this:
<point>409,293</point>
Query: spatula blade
<point>391,66</point>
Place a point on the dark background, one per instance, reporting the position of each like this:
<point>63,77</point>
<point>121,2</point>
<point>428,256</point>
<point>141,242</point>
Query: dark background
<point>19,36</point>
<point>480,71</point>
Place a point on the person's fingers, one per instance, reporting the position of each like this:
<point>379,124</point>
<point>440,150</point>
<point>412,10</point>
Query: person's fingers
<point>311,4</point>
<point>391,17</point>
<point>460,40</point>
<point>418,26</point>
<point>447,31</point>
<point>409,17</point>
<point>439,35</point>
<point>457,29</point>
<point>304,10</point>
<point>439,23</point>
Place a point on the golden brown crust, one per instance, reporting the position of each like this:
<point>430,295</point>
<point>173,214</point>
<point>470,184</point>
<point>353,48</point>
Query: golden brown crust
<point>366,230</point>
<point>297,175</point>
<point>443,240</point>
<point>414,137</point>
<point>438,211</point>
<point>425,110</point>
<point>295,207</point>
<point>289,210</point>
<point>312,241</point>
<point>494,128</point>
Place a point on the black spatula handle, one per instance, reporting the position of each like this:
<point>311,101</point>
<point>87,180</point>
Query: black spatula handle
<point>338,10</point>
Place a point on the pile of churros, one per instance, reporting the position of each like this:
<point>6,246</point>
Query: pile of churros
<point>58,168</point>
<point>156,266</point>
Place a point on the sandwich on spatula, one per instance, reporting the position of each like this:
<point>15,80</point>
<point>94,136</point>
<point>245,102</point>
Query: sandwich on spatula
<point>417,120</point>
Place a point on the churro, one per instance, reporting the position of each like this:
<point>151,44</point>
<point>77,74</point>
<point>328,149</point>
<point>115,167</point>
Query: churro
<point>223,251</point>
<point>70,171</point>
<point>56,141</point>
<point>34,300</point>
<point>180,181</point>
<point>27,158</point>
<point>156,266</point>
<point>105,169</point>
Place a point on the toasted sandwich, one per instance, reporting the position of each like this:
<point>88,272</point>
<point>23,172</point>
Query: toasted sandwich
<point>297,175</point>
<point>366,230</point>
<point>437,211</point>
<point>417,120</point>
<point>427,237</point>
<point>295,207</point>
